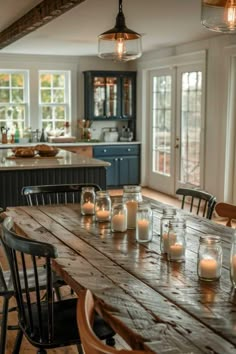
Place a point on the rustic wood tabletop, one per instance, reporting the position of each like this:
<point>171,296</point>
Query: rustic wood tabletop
<point>156,305</point>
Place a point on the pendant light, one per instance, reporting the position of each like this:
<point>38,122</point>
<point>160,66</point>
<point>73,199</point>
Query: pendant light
<point>219,15</point>
<point>120,43</point>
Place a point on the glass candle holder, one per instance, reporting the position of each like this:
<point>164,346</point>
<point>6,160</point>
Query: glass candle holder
<point>87,201</point>
<point>144,223</point>
<point>176,240</point>
<point>103,206</point>
<point>119,218</point>
<point>209,258</point>
<point>233,261</point>
<point>131,196</point>
<point>168,215</point>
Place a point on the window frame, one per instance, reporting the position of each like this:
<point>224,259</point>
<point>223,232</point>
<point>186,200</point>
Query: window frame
<point>67,97</point>
<point>26,101</point>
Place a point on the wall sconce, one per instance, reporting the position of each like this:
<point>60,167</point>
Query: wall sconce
<point>120,43</point>
<point>219,15</point>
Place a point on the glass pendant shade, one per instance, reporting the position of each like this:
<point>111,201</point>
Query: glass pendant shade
<point>120,43</point>
<point>219,15</point>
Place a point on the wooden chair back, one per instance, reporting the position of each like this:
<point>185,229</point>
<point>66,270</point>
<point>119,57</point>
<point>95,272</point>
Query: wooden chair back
<point>226,210</point>
<point>85,316</point>
<point>30,306</point>
<point>55,194</point>
<point>201,202</point>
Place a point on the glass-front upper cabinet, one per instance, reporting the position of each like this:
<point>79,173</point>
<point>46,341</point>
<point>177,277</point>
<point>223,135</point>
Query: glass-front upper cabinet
<point>127,96</point>
<point>110,95</point>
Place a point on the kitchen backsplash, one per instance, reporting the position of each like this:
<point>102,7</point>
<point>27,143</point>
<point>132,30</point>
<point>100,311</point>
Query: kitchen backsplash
<point>99,129</point>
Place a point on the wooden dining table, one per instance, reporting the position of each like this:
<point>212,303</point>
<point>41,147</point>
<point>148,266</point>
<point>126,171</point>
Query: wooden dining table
<point>155,305</point>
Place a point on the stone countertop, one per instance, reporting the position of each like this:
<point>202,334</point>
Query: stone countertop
<point>64,159</point>
<point>79,143</point>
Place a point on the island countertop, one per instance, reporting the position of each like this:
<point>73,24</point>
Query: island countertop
<point>74,144</point>
<point>64,159</point>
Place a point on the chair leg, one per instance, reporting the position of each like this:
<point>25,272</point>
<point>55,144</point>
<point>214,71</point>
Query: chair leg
<point>80,349</point>
<point>58,293</point>
<point>17,345</point>
<point>111,342</point>
<point>4,325</point>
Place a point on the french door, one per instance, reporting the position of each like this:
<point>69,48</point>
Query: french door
<point>177,128</point>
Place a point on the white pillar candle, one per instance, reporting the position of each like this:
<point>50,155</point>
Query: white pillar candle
<point>88,208</point>
<point>132,206</point>
<point>208,268</point>
<point>143,229</point>
<point>165,240</point>
<point>176,251</point>
<point>103,215</point>
<point>119,222</point>
<point>233,268</point>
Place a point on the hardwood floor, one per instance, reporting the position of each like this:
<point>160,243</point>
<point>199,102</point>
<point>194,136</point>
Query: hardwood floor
<point>26,347</point>
<point>154,195</point>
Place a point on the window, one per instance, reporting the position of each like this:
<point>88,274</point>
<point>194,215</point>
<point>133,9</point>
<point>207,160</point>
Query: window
<point>191,124</point>
<point>13,99</point>
<point>54,96</point>
<point>162,124</point>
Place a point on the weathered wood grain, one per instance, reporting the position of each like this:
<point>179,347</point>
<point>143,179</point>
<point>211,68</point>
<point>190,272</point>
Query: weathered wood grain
<point>156,304</point>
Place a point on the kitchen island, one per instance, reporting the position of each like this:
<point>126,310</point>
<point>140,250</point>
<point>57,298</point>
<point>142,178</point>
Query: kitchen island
<point>66,167</point>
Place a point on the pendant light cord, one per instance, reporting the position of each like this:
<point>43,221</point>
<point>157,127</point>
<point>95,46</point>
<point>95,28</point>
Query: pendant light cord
<point>120,5</point>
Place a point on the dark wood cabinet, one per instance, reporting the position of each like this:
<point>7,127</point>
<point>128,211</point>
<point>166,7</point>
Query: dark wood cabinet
<point>110,95</point>
<point>125,163</point>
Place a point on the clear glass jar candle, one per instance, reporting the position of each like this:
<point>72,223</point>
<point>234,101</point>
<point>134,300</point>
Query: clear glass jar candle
<point>209,258</point>
<point>168,215</point>
<point>87,201</point>
<point>119,218</point>
<point>176,240</point>
<point>233,261</point>
<point>131,196</point>
<point>103,206</point>
<point>144,223</point>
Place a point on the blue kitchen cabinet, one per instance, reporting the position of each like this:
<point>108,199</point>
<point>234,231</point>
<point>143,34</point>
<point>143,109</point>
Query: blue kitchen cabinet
<point>125,163</point>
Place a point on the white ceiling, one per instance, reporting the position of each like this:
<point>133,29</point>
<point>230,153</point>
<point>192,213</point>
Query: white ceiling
<point>163,23</point>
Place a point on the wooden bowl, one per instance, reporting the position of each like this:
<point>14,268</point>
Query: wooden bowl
<point>48,153</point>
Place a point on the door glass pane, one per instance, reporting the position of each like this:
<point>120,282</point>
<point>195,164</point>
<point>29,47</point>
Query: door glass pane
<point>161,130</point>
<point>190,127</point>
<point>99,96</point>
<point>111,93</point>
<point>127,97</point>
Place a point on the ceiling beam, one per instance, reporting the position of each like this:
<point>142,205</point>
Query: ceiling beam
<point>38,16</point>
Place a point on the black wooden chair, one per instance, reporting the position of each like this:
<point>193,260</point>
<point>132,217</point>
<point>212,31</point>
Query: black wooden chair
<point>200,202</point>
<point>7,292</point>
<point>46,323</point>
<point>55,194</point>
